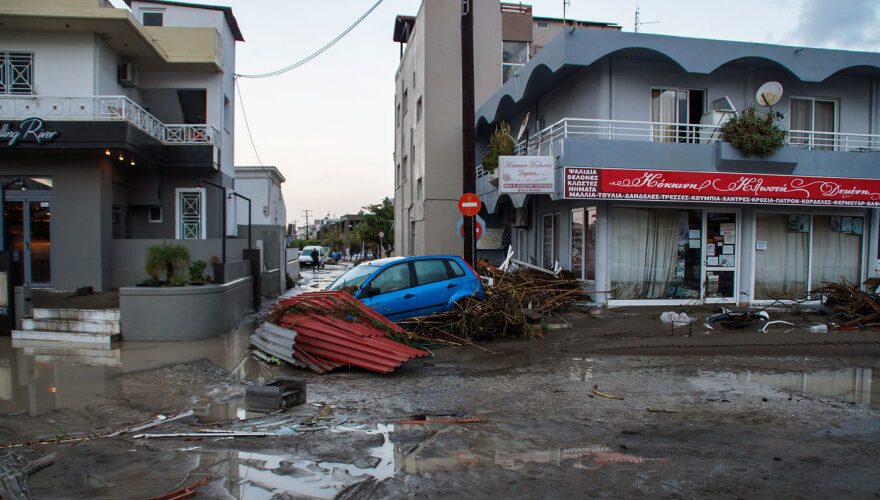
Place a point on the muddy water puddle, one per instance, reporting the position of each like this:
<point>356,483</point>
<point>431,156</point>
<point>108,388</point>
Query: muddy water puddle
<point>405,450</point>
<point>851,385</point>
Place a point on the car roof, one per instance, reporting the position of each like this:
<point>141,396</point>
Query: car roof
<point>390,260</point>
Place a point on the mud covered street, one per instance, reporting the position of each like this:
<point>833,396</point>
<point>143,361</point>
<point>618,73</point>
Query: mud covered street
<point>748,415</point>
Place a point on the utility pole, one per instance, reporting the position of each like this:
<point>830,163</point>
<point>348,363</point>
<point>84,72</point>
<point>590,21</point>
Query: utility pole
<point>639,23</point>
<point>306,213</point>
<point>468,171</point>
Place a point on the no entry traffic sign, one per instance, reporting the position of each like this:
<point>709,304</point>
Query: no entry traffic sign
<point>469,204</point>
<point>479,224</point>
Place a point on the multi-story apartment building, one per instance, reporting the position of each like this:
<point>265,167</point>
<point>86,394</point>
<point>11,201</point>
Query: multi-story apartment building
<point>641,197</point>
<point>110,119</point>
<point>427,138</point>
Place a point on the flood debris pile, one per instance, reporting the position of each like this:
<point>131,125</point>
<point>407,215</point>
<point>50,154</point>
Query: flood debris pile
<point>849,305</point>
<point>515,306</point>
<point>323,331</point>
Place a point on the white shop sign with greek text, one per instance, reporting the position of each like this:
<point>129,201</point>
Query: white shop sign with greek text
<point>527,174</point>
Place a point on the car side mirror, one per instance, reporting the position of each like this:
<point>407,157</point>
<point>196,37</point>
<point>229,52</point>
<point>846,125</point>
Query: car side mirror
<point>370,291</point>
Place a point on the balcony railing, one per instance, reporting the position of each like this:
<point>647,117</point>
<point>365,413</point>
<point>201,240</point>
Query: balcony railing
<point>543,141</point>
<point>105,108</point>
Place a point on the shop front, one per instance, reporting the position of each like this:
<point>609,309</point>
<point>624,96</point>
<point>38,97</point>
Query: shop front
<point>695,237</point>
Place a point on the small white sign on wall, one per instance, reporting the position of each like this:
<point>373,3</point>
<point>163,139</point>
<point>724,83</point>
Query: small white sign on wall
<point>527,174</point>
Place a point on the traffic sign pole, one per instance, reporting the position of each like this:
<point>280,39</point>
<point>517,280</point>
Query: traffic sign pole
<point>469,205</point>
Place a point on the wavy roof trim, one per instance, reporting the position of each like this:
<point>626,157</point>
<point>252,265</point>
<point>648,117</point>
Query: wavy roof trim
<point>583,47</point>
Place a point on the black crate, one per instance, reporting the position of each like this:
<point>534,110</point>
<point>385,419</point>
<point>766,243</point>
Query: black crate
<point>280,394</point>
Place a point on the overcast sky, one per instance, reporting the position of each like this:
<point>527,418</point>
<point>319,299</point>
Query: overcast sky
<point>329,125</point>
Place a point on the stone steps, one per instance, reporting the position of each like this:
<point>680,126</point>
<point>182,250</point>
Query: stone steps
<point>91,326</point>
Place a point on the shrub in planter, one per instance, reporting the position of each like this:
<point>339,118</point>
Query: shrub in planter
<point>167,259</point>
<point>500,144</point>
<point>197,272</point>
<point>754,134</point>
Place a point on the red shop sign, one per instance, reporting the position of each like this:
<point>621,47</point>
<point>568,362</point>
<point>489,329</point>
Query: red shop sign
<point>722,187</point>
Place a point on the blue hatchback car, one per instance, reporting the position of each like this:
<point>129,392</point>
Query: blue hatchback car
<point>403,287</point>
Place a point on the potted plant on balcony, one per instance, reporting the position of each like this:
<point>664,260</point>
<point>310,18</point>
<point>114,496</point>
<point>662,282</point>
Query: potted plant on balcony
<point>500,144</point>
<point>754,134</point>
<point>166,259</point>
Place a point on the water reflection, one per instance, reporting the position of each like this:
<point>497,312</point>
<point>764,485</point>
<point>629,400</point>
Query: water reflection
<point>854,385</point>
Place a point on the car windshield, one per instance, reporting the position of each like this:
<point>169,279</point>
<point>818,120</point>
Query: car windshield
<point>353,277</point>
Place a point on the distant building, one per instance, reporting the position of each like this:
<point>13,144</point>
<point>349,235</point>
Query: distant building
<point>268,213</point>
<point>427,138</point>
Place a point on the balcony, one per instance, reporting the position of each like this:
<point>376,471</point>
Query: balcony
<point>546,141</point>
<point>106,109</point>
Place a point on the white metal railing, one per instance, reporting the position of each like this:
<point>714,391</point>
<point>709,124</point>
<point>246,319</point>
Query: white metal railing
<point>542,141</point>
<point>105,108</point>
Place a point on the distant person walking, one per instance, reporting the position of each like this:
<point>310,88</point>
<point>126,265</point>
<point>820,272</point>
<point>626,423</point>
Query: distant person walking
<point>315,260</point>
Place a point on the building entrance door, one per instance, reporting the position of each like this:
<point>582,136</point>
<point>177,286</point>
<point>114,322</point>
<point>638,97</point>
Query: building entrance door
<point>720,256</point>
<point>29,236</point>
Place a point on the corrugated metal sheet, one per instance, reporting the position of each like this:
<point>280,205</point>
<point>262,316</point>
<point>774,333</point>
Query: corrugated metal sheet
<point>329,330</point>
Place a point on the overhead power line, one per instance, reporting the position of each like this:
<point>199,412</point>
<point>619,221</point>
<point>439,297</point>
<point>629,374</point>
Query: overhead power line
<point>317,52</point>
<point>246,124</point>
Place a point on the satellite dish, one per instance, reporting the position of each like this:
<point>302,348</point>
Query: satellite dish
<point>769,94</point>
<point>522,126</point>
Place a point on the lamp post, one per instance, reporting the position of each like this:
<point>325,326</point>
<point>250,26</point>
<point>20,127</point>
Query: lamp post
<point>249,214</point>
<point>222,218</point>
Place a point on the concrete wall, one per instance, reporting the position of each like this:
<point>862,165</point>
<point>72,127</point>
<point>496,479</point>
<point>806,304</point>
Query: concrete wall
<point>129,256</point>
<point>183,313</point>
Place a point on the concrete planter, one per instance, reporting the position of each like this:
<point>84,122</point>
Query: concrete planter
<point>184,312</point>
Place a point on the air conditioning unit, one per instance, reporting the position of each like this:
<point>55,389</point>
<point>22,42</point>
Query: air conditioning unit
<point>521,217</point>
<point>127,75</point>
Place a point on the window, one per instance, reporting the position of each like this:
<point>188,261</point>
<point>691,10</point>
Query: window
<point>677,113</point>
<point>430,271</point>
<point>583,243</point>
<point>403,166</point>
<point>457,271</point>
<point>154,214</point>
<point>542,25</point>
<point>405,101</point>
<point>397,116</point>
<point>419,191</point>
<point>394,278</point>
<point>419,109</point>
<point>514,55</point>
<point>16,73</point>
<point>398,178</point>
<point>813,122</point>
<point>190,214</point>
<point>152,17</point>
<point>227,114</point>
<point>550,238</point>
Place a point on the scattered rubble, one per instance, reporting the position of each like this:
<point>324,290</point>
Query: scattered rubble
<point>849,304</point>
<point>516,300</point>
<point>322,331</point>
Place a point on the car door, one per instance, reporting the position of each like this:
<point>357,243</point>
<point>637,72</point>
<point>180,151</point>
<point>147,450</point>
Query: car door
<point>435,285</point>
<point>395,296</point>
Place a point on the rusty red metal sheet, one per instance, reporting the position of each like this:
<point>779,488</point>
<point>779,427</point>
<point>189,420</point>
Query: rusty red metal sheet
<point>334,329</point>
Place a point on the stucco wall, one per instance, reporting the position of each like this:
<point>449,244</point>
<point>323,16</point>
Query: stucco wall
<point>63,62</point>
<point>183,313</point>
<point>129,256</point>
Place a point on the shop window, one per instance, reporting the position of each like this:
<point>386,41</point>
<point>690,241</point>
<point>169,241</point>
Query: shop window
<point>813,122</point>
<point>782,257</point>
<point>514,55</point>
<point>837,249</point>
<point>583,243</point>
<point>676,114</point>
<point>16,73</point>
<point>190,214</point>
<point>655,253</point>
<point>550,239</point>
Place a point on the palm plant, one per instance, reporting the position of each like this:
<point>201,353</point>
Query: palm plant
<point>167,258</point>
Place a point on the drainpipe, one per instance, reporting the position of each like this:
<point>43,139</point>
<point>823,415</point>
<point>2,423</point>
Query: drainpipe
<point>222,217</point>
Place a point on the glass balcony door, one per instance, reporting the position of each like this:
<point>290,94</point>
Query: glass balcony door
<point>28,230</point>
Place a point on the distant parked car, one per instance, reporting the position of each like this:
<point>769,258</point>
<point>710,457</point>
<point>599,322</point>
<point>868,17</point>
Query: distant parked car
<point>403,287</point>
<point>305,256</point>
